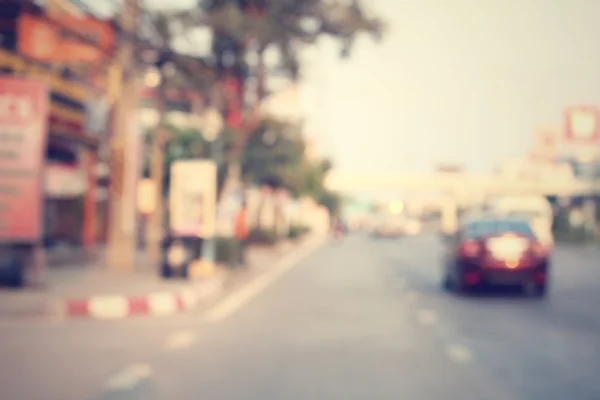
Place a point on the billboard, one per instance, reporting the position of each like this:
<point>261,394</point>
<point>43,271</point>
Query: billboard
<point>23,136</point>
<point>582,124</point>
<point>53,41</point>
<point>193,198</point>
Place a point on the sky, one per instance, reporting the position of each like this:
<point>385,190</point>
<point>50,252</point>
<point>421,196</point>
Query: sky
<point>454,81</point>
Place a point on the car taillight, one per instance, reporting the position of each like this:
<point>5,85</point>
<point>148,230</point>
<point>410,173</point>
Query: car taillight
<point>470,248</point>
<point>539,250</point>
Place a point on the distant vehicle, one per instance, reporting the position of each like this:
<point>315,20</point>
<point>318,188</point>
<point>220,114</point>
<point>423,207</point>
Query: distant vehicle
<point>496,251</point>
<point>412,227</point>
<point>389,226</point>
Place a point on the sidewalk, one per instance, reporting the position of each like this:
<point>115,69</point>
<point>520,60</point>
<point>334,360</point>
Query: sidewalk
<point>79,289</point>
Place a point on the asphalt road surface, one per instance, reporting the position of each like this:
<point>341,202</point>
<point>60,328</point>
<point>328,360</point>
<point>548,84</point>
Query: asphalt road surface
<point>361,319</point>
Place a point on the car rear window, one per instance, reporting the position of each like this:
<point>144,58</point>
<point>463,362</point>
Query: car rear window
<point>496,227</point>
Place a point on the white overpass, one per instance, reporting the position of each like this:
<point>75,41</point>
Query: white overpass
<point>459,184</point>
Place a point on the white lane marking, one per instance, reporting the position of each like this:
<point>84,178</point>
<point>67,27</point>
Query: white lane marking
<point>180,340</point>
<point>427,317</point>
<point>238,299</point>
<point>130,377</point>
<point>459,354</point>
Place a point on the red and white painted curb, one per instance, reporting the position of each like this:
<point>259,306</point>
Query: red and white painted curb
<point>154,304</point>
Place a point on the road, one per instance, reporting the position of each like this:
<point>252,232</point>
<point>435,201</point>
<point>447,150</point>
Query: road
<point>362,319</point>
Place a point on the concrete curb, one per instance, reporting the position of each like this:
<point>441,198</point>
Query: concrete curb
<point>157,304</point>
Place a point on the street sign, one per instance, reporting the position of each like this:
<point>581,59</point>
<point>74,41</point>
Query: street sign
<point>193,197</point>
<point>23,129</point>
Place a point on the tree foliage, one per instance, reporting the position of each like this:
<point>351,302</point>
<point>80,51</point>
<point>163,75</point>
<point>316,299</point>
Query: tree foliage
<point>332,201</point>
<point>275,156</point>
<point>285,25</point>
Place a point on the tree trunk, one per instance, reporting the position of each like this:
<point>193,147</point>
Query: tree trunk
<point>259,211</point>
<point>121,244</point>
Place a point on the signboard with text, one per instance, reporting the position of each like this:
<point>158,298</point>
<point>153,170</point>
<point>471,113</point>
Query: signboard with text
<point>23,126</point>
<point>48,40</point>
<point>193,197</point>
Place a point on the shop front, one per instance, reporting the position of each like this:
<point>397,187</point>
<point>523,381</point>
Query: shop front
<point>69,165</point>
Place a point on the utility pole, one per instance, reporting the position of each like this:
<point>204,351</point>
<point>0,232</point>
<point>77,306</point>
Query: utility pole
<point>121,243</point>
<point>212,126</point>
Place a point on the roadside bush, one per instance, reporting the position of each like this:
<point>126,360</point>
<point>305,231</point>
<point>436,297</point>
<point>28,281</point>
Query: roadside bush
<point>226,251</point>
<point>262,237</point>
<point>565,233</point>
<point>574,236</point>
<point>298,231</point>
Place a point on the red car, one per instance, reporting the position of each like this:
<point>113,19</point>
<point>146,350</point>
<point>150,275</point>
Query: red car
<point>496,251</point>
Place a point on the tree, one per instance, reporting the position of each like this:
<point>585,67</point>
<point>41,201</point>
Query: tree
<point>285,25</point>
<point>332,201</point>
<point>274,155</point>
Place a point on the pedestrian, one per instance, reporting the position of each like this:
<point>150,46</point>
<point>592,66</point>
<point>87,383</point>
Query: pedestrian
<point>241,234</point>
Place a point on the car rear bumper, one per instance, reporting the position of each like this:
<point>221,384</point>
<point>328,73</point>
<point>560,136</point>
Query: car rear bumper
<point>506,276</point>
<point>511,277</point>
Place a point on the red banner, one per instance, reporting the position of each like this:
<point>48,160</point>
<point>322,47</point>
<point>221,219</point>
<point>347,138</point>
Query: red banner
<point>23,133</point>
<point>582,124</point>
